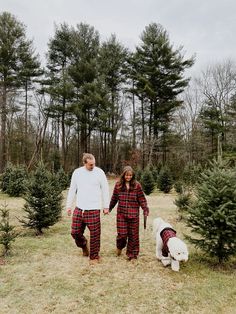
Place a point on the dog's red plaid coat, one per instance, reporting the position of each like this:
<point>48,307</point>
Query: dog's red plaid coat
<point>129,202</point>
<point>91,219</point>
<point>166,234</point>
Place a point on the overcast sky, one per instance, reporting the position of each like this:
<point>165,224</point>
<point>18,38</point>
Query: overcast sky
<point>203,27</point>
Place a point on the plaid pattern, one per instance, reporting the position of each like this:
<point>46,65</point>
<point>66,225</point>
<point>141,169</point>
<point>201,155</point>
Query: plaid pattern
<point>128,229</point>
<point>91,219</point>
<point>166,234</point>
<point>129,201</point>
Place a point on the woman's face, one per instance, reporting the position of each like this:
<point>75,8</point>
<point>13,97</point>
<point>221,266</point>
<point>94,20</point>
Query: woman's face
<point>128,176</point>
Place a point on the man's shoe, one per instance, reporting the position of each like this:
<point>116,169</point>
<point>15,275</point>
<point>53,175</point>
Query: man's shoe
<point>118,252</point>
<point>85,251</point>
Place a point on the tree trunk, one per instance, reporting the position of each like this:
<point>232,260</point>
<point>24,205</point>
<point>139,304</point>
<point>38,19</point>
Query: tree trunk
<point>63,133</point>
<point>26,124</point>
<point>3,152</point>
<point>78,144</point>
<point>143,135</point>
<point>133,122</point>
<point>113,135</point>
<point>83,134</point>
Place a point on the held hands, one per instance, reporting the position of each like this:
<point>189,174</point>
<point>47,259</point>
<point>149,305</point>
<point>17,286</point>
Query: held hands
<point>106,211</point>
<point>68,211</point>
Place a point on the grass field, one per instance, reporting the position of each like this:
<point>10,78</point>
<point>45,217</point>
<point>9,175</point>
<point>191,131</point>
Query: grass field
<point>48,274</point>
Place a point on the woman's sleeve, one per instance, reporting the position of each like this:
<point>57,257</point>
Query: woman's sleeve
<point>142,200</point>
<point>114,198</point>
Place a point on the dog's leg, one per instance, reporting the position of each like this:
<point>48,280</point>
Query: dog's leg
<point>165,261</point>
<point>159,245</point>
<point>174,265</point>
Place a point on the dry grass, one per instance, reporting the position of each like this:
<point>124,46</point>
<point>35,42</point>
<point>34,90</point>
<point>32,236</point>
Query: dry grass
<point>49,275</point>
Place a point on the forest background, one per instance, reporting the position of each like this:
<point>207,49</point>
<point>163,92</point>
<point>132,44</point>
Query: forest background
<point>136,107</point>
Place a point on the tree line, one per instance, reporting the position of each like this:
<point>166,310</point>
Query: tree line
<point>137,107</point>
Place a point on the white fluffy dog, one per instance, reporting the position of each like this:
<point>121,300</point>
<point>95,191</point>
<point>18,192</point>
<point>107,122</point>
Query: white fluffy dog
<point>170,250</point>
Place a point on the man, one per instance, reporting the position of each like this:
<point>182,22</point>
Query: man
<point>90,186</point>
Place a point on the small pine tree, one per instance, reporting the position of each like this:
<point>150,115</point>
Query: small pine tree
<point>63,179</point>
<point>17,181</point>
<point>213,214</point>
<point>147,182</point>
<point>165,180</point>
<point>183,201</point>
<point>43,201</point>
<point>6,177</point>
<point>191,174</point>
<point>7,231</point>
<point>138,174</point>
<point>155,174</point>
<point>178,185</point>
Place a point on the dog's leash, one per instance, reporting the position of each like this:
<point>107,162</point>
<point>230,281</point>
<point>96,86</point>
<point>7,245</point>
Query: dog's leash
<point>145,222</point>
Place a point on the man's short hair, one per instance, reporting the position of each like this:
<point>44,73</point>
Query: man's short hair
<point>87,156</point>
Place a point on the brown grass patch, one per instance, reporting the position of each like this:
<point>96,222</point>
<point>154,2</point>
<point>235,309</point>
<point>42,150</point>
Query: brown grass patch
<point>48,274</point>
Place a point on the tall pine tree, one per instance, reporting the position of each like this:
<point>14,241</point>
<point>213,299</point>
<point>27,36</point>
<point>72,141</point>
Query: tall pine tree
<point>61,88</point>
<point>158,74</point>
<point>15,49</point>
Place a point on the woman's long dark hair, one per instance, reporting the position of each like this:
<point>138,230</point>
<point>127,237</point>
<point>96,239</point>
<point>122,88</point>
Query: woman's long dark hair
<point>121,181</point>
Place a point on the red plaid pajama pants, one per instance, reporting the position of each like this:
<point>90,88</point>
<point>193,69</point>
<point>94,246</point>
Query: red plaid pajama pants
<point>128,233</point>
<point>91,219</point>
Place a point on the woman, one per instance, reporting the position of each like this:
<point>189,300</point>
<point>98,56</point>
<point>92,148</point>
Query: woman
<point>130,196</point>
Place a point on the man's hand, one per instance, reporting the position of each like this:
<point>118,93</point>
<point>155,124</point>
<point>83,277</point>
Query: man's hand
<point>106,211</point>
<point>68,211</point>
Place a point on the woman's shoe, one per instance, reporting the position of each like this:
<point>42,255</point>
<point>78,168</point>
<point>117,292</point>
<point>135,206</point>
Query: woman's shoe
<point>118,252</point>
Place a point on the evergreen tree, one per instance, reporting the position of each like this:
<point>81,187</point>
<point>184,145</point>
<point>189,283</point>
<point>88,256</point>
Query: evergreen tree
<point>178,185</point>
<point>213,215</point>
<point>190,175</point>
<point>147,181</point>
<point>15,49</point>
<point>28,73</point>
<point>213,123</point>
<point>43,201</point>
<point>183,201</point>
<point>6,176</point>
<point>138,174</point>
<point>7,231</point>
<point>158,75</point>
<point>155,174</point>
<point>62,178</point>
<point>60,85</point>
<point>83,71</point>
<point>17,178</point>
<point>111,64</point>
<point>165,180</point>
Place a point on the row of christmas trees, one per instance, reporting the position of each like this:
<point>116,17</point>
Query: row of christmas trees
<point>208,208</point>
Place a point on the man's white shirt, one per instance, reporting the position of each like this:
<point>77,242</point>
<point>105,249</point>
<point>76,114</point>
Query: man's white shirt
<point>90,188</point>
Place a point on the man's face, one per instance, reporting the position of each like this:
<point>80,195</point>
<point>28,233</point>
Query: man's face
<point>90,164</point>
